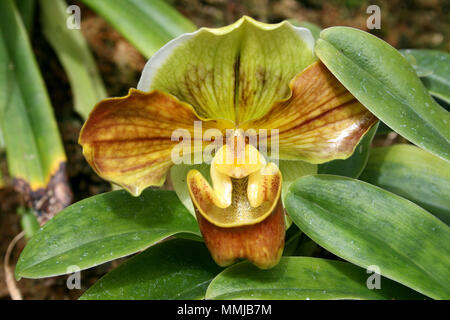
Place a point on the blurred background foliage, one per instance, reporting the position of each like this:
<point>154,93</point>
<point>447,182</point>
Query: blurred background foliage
<point>115,60</point>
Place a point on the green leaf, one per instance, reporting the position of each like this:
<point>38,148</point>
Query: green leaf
<point>4,86</point>
<point>386,84</point>
<point>103,228</point>
<point>73,52</point>
<point>3,97</point>
<point>175,269</point>
<point>28,222</point>
<point>34,149</point>
<point>293,236</point>
<point>353,166</point>
<point>147,24</point>
<point>2,140</point>
<point>369,226</point>
<point>434,69</point>
<point>306,248</point>
<point>302,278</point>
<point>413,174</point>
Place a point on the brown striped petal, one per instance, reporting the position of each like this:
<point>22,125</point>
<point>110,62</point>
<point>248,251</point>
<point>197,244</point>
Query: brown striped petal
<point>321,121</point>
<point>128,141</point>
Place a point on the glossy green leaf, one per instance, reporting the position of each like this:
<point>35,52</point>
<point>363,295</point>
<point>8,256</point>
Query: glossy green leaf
<point>353,166</point>
<point>369,226</point>
<point>175,269</point>
<point>34,149</point>
<point>73,52</point>
<point>413,174</point>
<point>433,67</point>
<point>147,24</point>
<point>302,278</point>
<point>386,84</point>
<point>292,170</point>
<point>103,228</point>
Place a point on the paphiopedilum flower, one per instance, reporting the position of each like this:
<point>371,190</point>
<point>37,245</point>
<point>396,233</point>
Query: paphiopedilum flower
<point>246,77</point>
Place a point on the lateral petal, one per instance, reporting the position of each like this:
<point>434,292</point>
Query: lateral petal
<point>128,141</point>
<point>320,122</point>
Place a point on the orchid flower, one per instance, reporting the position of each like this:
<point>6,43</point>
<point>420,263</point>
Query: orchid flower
<point>244,83</point>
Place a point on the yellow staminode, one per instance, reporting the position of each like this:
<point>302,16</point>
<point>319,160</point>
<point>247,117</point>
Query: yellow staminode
<point>235,162</point>
<point>245,189</point>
